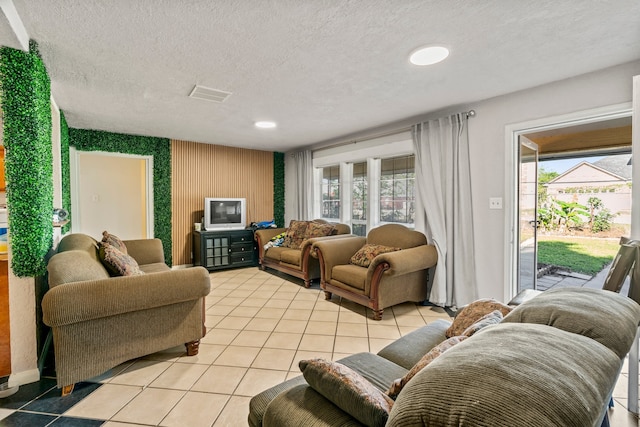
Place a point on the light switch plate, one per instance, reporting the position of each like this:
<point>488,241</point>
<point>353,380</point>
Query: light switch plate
<point>495,202</point>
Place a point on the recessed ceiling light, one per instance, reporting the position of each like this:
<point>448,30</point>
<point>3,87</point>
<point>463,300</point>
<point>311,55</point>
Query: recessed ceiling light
<point>265,124</point>
<point>429,55</point>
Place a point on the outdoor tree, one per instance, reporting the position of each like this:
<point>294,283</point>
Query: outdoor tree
<point>600,218</point>
<point>543,179</point>
<point>594,203</point>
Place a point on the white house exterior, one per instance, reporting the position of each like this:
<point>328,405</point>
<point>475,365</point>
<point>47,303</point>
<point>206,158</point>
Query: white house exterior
<point>608,179</point>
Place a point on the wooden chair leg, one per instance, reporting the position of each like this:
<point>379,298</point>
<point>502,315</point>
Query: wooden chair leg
<point>327,295</point>
<point>192,347</point>
<point>307,283</point>
<point>377,314</point>
<point>67,389</point>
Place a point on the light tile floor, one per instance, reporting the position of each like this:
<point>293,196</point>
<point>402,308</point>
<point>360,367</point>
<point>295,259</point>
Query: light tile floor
<point>259,326</point>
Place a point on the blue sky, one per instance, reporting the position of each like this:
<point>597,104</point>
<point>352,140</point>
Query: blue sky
<point>564,165</point>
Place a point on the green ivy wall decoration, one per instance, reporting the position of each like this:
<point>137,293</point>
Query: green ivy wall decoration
<point>66,171</point>
<point>278,188</point>
<point>25,94</point>
<point>160,149</point>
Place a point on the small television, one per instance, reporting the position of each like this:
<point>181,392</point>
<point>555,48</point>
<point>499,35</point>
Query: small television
<point>225,213</point>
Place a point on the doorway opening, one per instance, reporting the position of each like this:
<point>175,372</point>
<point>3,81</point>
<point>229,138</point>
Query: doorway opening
<point>577,138</point>
<point>584,208</point>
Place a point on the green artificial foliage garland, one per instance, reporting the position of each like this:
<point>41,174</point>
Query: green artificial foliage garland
<point>26,107</point>
<point>278,188</point>
<point>66,170</point>
<point>160,149</point>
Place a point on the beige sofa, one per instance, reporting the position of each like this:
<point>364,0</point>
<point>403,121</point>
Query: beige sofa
<point>553,361</point>
<point>391,278</point>
<point>299,262</point>
<point>100,321</point>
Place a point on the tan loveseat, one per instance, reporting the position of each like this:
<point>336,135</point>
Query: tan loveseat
<point>296,261</point>
<point>391,278</point>
<point>100,321</point>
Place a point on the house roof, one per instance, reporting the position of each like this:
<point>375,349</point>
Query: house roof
<point>321,69</point>
<point>616,165</point>
<point>619,165</point>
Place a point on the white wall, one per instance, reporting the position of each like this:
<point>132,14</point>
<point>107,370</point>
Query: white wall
<point>487,138</point>
<point>487,142</point>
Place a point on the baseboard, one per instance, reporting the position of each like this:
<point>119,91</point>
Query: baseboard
<point>24,377</point>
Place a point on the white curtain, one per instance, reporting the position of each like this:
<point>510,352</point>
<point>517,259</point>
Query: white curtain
<point>303,183</point>
<point>443,206</point>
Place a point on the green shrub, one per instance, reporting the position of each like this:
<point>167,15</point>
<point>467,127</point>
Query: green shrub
<point>602,221</point>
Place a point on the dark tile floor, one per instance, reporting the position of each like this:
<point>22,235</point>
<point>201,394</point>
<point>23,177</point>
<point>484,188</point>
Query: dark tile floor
<point>39,404</point>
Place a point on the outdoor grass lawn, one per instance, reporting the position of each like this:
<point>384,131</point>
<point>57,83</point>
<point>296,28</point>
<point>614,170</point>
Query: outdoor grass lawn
<point>581,255</point>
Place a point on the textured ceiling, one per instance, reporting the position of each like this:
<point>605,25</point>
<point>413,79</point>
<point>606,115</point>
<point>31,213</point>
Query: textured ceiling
<point>320,68</point>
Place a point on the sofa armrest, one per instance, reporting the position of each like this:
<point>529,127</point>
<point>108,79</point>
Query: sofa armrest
<point>406,260</point>
<point>337,251</point>
<point>145,251</point>
<point>308,244</point>
<point>263,236</point>
<point>81,301</point>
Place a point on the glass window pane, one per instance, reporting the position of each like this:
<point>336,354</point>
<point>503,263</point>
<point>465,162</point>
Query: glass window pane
<point>359,192</point>
<point>331,192</point>
<point>397,190</point>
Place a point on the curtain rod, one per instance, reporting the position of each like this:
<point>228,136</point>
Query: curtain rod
<point>470,113</point>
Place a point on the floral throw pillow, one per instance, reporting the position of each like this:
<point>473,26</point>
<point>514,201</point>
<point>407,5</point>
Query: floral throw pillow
<point>318,230</point>
<point>114,241</point>
<point>471,313</point>
<point>436,351</point>
<point>296,233</point>
<point>489,319</point>
<point>348,390</point>
<point>117,262</point>
<point>368,252</point>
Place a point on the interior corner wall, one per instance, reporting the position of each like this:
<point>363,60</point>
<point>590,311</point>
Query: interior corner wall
<point>206,170</point>
<point>602,88</point>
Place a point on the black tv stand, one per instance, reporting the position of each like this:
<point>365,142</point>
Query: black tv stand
<point>220,249</point>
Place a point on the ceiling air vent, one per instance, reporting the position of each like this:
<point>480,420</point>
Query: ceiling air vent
<point>208,94</point>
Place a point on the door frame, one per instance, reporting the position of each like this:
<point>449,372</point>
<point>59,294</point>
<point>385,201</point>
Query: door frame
<point>75,185</point>
<point>512,141</point>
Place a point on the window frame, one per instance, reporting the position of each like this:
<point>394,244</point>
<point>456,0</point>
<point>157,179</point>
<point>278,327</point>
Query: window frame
<point>371,151</point>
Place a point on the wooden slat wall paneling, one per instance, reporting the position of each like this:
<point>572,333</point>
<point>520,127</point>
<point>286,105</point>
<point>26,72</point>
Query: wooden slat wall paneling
<point>205,170</point>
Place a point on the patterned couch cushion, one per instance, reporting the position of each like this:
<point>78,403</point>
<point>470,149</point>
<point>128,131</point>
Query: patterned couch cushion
<point>436,351</point>
<point>489,319</point>
<point>471,313</point>
<point>114,241</point>
<point>348,390</point>
<point>368,252</point>
<point>118,263</point>
<point>316,229</point>
<point>296,234</point>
